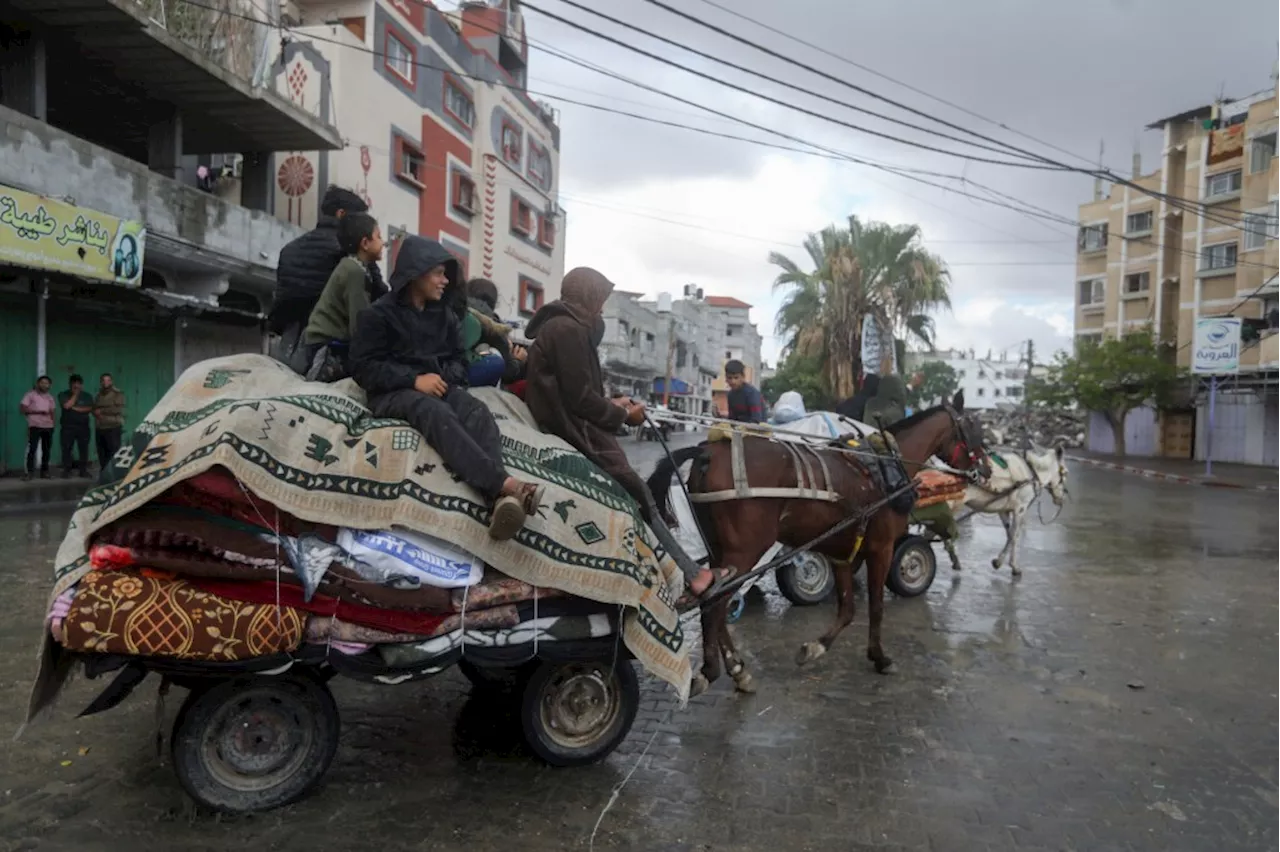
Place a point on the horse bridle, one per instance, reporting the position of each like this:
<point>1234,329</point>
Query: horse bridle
<point>961,450</point>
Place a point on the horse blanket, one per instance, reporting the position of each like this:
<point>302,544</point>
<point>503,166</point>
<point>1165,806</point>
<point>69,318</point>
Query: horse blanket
<point>315,451</point>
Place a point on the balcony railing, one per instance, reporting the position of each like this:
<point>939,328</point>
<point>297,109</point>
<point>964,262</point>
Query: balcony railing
<point>232,33</point>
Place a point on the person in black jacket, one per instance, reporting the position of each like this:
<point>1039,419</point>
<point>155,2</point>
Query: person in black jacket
<point>407,355</point>
<point>855,407</point>
<point>304,268</point>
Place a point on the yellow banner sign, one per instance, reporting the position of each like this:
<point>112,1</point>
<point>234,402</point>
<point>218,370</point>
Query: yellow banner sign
<point>41,233</point>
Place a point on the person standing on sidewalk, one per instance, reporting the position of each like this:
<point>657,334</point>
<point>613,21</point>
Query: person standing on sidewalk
<point>108,412</point>
<point>37,406</point>
<point>76,406</point>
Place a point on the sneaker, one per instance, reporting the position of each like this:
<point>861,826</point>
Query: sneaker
<point>507,520</point>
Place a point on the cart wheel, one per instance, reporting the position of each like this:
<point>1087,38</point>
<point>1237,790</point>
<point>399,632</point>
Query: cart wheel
<point>496,678</point>
<point>806,580</point>
<point>255,743</point>
<point>578,713</point>
<point>914,566</point>
<point>737,605</point>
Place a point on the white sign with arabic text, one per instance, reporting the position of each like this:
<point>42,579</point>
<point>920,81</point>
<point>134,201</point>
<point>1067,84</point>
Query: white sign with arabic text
<point>1215,349</point>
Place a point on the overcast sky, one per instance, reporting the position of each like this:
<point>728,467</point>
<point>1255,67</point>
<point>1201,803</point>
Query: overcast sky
<point>656,207</point>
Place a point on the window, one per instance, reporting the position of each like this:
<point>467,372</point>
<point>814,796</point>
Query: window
<point>1088,339</point>
<point>1221,256</point>
<point>1138,223</point>
<point>1138,282</point>
<point>982,374</point>
<point>1261,152</point>
<point>1256,228</point>
<point>982,391</point>
<point>464,194</point>
<point>1222,184</point>
<point>512,143</point>
<point>530,296</point>
<point>521,217</point>
<point>996,392</point>
<point>1092,238</point>
<point>732,330</point>
<point>546,232</point>
<point>1013,390</point>
<point>999,375</point>
<point>458,104</point>
<point>410,164</point>
<point>399,58</point>
<point>539,166</point>
<point>1093,291</point>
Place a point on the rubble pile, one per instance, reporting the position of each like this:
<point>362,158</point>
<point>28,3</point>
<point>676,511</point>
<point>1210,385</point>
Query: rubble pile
<point>1016,427</point>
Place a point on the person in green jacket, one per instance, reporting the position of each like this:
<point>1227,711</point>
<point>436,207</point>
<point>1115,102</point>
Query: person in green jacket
<point>889,405</point>
<point>350,289</point>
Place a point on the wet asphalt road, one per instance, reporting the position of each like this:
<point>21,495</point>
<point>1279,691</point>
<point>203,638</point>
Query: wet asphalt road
<point>1011,720</point>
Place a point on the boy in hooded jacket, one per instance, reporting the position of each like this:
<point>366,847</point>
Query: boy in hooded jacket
<point>565,394</point>
<point>407,355</point>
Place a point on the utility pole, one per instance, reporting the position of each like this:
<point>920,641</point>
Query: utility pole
<point>1031,364</point>
<point>671,363</point>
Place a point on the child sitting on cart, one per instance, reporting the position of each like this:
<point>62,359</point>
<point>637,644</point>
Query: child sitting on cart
<point>407,355</point>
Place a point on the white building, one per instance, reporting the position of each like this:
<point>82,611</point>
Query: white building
<point>442,139</point>
<point>986,382</point>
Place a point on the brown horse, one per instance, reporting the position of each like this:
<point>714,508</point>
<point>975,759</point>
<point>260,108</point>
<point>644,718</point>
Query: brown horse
<point>741,531</point>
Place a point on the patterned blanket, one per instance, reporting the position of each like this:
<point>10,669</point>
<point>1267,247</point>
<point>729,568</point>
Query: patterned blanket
<point>314,450</point>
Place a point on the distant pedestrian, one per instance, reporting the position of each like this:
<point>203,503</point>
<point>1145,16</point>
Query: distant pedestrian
<point>38,406</point>
<point>108,411</point>
<point>76,406</point>
<point>746,404</point>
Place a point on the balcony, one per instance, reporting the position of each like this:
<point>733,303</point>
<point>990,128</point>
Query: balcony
<point>198,243</point>
<point>209,61</point>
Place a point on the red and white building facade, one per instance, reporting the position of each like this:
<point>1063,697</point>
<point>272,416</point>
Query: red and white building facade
<point>442,139</point>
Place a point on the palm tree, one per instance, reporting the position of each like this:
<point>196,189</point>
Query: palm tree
<point>875,270</point>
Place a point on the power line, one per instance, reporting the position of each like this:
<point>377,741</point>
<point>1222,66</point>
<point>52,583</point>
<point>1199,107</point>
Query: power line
<point>1099,172</point>
<point>777,81</point>
<point>778,101</point>
<point>883,76</point>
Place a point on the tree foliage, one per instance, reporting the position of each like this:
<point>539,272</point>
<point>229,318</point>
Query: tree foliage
<point>940,380</point>
<point>1112,377</point>
<point>803,375</point>
<point>861,270</point>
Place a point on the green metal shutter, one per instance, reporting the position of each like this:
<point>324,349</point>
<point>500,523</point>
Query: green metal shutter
<point>17,374</point>
<point>139,359</point>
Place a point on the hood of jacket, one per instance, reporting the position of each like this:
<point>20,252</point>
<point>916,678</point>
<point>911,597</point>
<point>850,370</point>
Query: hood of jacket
<point>417,257</point>
<point>892,390</point>
<point>482,291</point>
<point>582,296</point>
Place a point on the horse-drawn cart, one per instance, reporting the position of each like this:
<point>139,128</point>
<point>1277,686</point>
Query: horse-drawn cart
<point>262,535</point>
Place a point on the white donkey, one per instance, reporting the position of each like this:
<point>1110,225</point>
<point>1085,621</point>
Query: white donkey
<point>1013,488</point>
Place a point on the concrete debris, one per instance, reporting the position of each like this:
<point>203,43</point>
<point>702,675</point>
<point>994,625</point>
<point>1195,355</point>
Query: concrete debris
<point>1019,427</point>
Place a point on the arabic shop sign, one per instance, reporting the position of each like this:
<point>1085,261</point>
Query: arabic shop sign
<point>41,233</point>
<point>1216,347</point>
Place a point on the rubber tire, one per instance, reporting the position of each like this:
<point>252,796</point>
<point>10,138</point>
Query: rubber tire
<point>797,593</point>
<point>197,712</point>
<point>624,680</point>
<point>912,544</point>
<point>495,678</point>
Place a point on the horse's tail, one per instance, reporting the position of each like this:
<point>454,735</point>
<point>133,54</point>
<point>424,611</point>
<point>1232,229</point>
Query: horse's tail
<point>660,480</point>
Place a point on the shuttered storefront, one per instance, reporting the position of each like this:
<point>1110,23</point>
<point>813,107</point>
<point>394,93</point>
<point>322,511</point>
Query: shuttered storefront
<point>17,373</point>
<point>137,352</point>
<point>202,339</point>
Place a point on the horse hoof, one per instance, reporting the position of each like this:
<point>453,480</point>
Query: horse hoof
<point>698,685</point>
<point>883,664</point>
<point>809,652</point>
<point>745,683</point>
<point>995,563</point>
<point>1017,572</point>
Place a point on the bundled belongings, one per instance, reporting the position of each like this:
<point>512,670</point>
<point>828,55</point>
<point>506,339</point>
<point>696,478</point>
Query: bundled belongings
<point>258,521</point>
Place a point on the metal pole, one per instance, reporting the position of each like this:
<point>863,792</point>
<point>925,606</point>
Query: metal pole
<point>1208,438</point>
<point>671,359</point>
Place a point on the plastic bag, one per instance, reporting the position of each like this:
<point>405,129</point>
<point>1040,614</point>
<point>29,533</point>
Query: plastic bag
<point>402,559</point>
<point>790,407</point>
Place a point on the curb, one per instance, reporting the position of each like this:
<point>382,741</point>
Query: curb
<point>1170,477</point>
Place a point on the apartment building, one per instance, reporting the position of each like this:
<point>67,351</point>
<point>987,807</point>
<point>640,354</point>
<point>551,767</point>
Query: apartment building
<point>987,382</point>
<point>441,137</point>
<point>136,236</point>
<point>1197,240</point>
<point>694,336</point>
